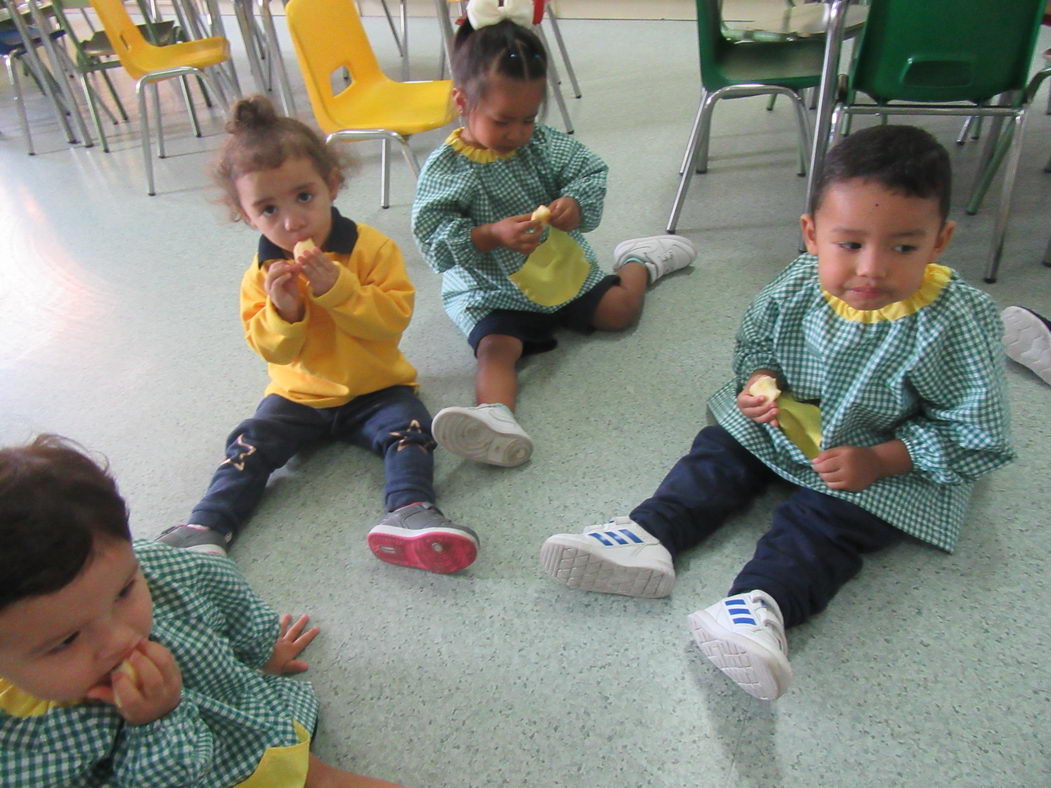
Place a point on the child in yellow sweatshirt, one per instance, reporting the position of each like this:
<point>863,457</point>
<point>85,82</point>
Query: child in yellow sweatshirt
<point>324,302</point>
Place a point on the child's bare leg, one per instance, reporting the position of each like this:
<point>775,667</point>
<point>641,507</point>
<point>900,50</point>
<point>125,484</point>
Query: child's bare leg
<point>496,379</point>
<point>621,305</point>
<point>321,775</point>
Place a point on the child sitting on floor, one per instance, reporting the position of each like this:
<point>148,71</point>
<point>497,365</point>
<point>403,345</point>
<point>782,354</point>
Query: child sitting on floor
<point>324,302</point>
<point>888,403</point>
<point>136,665</point>
<point>510,277</point>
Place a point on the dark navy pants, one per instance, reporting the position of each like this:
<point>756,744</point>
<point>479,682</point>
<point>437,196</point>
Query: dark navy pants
<point>813,547</point>
<point>392,423</point>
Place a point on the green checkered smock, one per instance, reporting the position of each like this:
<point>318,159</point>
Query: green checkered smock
<point>461,188</point>
<point>928,371</point>
<point>230,714</point>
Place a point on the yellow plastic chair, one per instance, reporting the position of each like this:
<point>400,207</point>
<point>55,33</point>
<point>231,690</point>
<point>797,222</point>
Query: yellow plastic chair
<point>148,64</point>
<point>328,37</point>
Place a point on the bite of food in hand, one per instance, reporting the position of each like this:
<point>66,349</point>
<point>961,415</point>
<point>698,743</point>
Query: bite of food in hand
<point>302,247</point>
<point>128,670</point>
<point>542,215</point>
<point>765,386</point>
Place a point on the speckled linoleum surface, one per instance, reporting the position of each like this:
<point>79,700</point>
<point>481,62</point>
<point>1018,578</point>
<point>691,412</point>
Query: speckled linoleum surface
<point>120,329</point>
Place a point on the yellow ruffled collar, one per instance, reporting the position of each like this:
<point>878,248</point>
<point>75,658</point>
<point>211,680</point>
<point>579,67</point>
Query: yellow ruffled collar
<point>19,703</point>
<point>935,278</point>
<point>480,155</point>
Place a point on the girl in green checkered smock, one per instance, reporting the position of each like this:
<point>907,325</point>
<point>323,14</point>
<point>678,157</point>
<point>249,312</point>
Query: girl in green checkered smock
<point>500,212</point>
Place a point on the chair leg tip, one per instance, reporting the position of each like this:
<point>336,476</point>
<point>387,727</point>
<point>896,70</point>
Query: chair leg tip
<point>988,280</point>
<point>970,213</point>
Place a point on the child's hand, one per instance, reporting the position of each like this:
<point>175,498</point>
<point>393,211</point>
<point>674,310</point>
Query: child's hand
<point>155,690</point>
<point>321,272</point>
<point>565,214</point>
<point>850,468</point>
<point>282,285</point>
<point>854,468</point>
<point>520,233</point>
<point>759,409</point>
<point>290,643</point>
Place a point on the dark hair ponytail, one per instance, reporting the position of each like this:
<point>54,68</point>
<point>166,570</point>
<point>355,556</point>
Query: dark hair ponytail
<point>506,48</point>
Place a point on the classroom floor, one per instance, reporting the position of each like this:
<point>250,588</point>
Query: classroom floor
<point>120,329</point>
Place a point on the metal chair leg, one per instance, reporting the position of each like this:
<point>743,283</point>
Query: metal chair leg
<point>156,93</point>
<point>691,154</point>
<point>141,87</point>
<point>1000,231</point>
<point>20,102</point>
<point>550,13</point>
<point>804,133</point>
<point>385,178</point>
<point>185,86</point>
<point>554,82</point>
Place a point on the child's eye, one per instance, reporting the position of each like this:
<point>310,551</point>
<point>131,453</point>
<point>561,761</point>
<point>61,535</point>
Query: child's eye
<point>268,210</point>
<point>64,644</point>
<point>905,248</point>
<point>852,246</point>
<point>304,196</point>
<point>127,589</point>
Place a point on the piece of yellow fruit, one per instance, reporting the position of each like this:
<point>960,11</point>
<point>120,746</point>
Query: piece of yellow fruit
<point>765,386</point>
<point>128,670</point>
<point>302,247</point>
<point>542,215</point>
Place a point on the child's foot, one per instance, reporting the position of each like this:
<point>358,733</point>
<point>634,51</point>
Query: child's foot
<point>420,536</point>
<point>484,433</point>
<point>744,636</point>
<point>661,254</point>
<point>619,557</point>
<point>196,538</point>
<point>1027,340</point>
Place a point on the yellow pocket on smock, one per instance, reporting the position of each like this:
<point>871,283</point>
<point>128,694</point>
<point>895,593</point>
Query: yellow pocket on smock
<point>801,424</point>
<point>554,273</point>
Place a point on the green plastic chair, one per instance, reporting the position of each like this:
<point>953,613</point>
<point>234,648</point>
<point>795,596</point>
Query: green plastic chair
<point>734,69</point>
<point>941,57</point>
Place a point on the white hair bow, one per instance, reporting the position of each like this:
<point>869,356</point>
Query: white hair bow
<point>482,13</point>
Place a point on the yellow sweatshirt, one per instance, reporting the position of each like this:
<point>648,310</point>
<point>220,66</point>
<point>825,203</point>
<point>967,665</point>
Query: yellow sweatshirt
<point>346,345</point>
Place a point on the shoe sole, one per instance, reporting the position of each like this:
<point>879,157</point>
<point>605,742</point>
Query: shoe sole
<point>467,436</point>
<point>434,549</point>
<point>750,666</point>
<point>1028,341</point>
<point>577,567</point>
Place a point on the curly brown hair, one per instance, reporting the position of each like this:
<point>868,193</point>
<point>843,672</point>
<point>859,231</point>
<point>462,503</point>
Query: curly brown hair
<point>260,139</point>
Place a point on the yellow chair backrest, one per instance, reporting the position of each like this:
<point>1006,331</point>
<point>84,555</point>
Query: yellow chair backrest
<point>328,36</point>
<point>125,38</point>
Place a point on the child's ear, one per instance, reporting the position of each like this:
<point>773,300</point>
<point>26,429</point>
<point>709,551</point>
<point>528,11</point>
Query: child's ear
<point>806,223</point>
<point>460,101</point>
<point>942,241</point>
<point>333,184</point>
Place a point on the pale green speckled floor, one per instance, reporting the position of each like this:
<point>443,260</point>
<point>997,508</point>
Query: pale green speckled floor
<point>118,314</point>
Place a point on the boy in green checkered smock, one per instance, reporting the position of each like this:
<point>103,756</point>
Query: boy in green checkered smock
<point>866,375</point>
<point>512,276</point>
<point>136,665</point>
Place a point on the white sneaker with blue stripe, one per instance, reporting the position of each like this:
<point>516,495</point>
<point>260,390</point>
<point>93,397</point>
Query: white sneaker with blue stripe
<point>619,557</point>
<point>744,636</point>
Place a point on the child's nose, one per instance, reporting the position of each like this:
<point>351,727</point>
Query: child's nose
<point>119,640</point>
<point>872,264</point>
<point>295,220</point>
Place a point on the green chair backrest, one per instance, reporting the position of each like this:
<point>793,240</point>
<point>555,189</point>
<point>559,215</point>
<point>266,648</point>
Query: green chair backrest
<point>945,50</point>
<point>712,42</point>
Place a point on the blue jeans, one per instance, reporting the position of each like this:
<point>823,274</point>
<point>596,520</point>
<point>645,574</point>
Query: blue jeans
<point>391,423</point>
<point>814,544</point>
